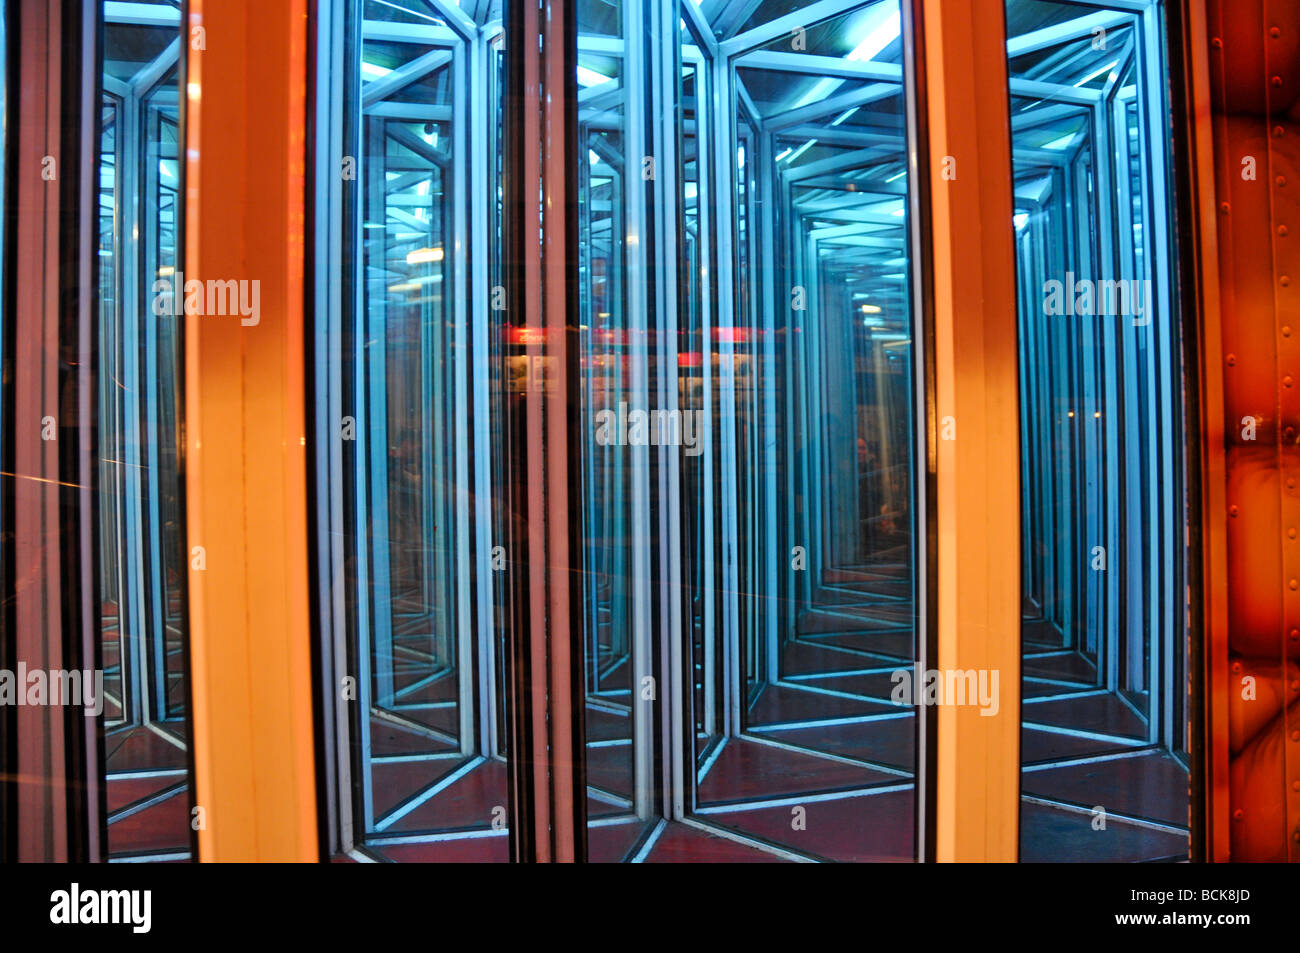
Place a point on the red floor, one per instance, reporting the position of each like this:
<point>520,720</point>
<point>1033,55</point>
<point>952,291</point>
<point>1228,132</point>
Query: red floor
<point>1054,835</point>
<point>680,844</point>
<point>842,791</point>
<point>161,827</point>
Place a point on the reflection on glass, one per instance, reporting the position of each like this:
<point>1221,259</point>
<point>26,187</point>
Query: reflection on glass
<point>615,362</point>
<point>745,414</point>
<point>782,500</point>
<point>806,377</point>
<point>1103,634</point>
<point>142,559</point>
<point>418,459</point>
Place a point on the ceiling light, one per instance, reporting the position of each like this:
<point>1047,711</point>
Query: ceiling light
<point>423,256</point>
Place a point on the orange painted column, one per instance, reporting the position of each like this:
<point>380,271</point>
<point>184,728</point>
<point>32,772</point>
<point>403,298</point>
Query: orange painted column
<point>1203,317</point>
<point>1254,52</point>
<point>974,438</point>
<point>246,434</point>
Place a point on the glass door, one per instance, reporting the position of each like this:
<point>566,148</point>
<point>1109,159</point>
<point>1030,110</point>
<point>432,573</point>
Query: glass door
<point>802,750</point>
<point>1103,739</point>
<point>143,556</point>
<point>741,516</point>
<point>410,454</point>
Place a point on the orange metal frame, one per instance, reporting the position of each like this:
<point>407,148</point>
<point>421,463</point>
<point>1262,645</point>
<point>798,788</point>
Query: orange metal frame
<point>1254,738</point>
<point>974,427</point>
<point>246,440</point>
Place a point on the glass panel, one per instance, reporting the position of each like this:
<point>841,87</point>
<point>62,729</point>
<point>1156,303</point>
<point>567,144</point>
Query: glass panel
<point>796,507</point>
<point>143,557</point>
<point>402,11</point>
<point>413,458</point>
<point>699,508</point>
<point>163,368</point>
<point>615,362</point>
<point>749,712</point>
<point>727,20</point>
<point>1103,739</point>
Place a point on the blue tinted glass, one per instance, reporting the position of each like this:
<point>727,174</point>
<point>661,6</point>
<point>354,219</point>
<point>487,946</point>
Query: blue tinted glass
<point>790,498</point>
<point>1104,680</point>
<point>143,556</point>
<point>742,507</point>
<point>410,389</point>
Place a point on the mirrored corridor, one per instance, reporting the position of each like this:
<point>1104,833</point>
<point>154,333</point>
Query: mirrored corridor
<point>647,431</point>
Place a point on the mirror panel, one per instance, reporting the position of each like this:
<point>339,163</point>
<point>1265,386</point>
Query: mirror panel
<point>1104,630</point>
<point>144,561</point>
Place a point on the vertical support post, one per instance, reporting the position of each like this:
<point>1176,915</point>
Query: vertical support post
<point>52,752</point>
<point>1253,58</point>
<point>547,782</point>
<point>974,423</point>
<point>559,266</point>
<point>251,666</point>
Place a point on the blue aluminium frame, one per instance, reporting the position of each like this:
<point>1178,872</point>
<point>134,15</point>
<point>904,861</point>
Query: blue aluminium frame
<point>355,619</point>
<point>136,402</point>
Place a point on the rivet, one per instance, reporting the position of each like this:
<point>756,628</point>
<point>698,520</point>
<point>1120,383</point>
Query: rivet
<point>1290,481</point>
<point>1295,635</point>
<point>1279,132</point>
<point>1295,735</point>
<point>1238,814</point>
<point>1236,668</point>
<point>1276,80</point>
<point>1232,360</point>
<point>1295,684</point>
<point>1232,511</point>
<point>1224,207</point>
<point>1286,330</point>
<point>1286,381</point>
<point>1295,785</point>
<point>1291,532</point>
<point>1274,32</point>
<point>1296,837</point>
<point>1217,43</point>
<point>1294,584</point>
